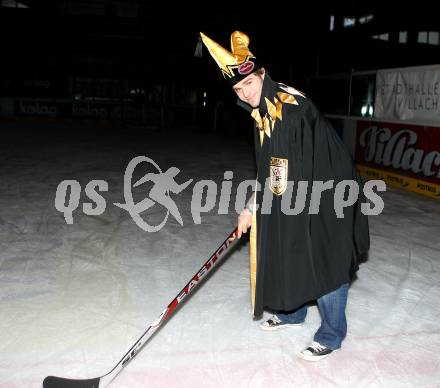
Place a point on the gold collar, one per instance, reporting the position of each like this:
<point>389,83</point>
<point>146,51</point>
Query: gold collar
<point>266,124</point>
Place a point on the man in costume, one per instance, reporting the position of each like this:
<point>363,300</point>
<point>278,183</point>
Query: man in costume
<point>296,257</point>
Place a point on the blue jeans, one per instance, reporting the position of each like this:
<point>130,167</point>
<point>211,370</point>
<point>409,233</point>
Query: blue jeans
<point>331,307</point>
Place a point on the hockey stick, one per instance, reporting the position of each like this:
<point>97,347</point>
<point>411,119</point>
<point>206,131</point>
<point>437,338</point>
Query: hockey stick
<point>59,382</point>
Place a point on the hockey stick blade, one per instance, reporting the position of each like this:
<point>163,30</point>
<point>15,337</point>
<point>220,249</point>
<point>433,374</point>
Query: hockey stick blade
<point>103,381</point>
<point>59,382</point>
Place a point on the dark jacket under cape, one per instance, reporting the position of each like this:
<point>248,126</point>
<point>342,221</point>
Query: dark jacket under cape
<point>301,257</point>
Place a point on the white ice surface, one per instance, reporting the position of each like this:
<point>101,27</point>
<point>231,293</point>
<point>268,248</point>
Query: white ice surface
<point>74,298</point>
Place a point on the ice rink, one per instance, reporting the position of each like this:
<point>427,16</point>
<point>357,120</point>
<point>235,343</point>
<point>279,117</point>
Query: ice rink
<point>74,298</point>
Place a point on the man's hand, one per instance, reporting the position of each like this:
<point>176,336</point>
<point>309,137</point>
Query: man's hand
<point>244,223</point>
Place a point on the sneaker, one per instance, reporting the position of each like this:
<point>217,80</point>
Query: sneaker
<point>274,323</point>
<point>315,352</point>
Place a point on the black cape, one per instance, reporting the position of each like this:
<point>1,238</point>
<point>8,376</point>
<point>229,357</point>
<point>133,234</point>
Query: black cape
<point>301,257</point>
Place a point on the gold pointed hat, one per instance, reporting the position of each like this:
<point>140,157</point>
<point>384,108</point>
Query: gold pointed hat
<point>236,64</point>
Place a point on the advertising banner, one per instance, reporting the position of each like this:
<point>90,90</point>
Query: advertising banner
<point>408,94</point>
<point>403,155</point>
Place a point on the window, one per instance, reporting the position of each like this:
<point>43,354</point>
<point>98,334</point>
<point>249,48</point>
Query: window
<point>429,37</point>
<point>403,36</point>
<point>332,22</point>
<point>349,22</point>
<point>12,4</point>
<point>433,37</point>
<point>423,37</point>
<point>363,91</point>
<point>385,36</point>
<point>366,19</point>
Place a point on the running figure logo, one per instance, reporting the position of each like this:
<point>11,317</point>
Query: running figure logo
<point>163,184</point>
